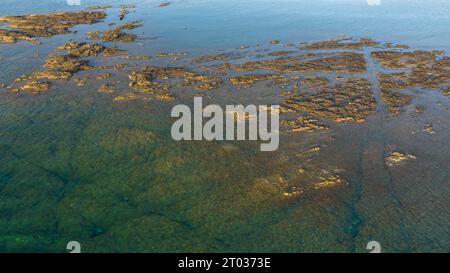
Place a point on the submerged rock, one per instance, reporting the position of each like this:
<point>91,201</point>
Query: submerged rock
<point>446,92</point>
<point>47,74</point>
<point>10,36</point>
<point>117,34</point>
<point>210,58</point>
<point>419,109</point>
<point>402,60</point>
<point>350,101</point>
<point>173,54</point>
<point>314,81</point>
<point>329,181</point>
<point>105,88</point>
<point>303,124</point>
<point>341,44</point>
<point>136,58</point>
<point>142,81</point>
<point>349,62</point>
<point>81,82</point>
<point>280,53</point>
<point>99,7</point>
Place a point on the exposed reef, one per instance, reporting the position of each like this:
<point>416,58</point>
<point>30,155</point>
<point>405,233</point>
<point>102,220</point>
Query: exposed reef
<point>347,43</point>
<point>349,62</point>
<point>34,87</point>
<point>249,80</point>
<point>350,101</point>
<point>302,124</point>
<point>117,34</point>
<point>328,82</point>
<point>164,4</point>
<point>78,49</point>
<point>29,27</point>
<point>146,80</point>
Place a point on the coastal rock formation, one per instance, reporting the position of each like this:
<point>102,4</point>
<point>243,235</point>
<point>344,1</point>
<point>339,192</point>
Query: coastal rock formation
<point>395,158</point>
<point>117,34</point>
<point>347,43</point>
<point>350,101</point>
<point>78,49</point>
<point>248,80</point>
<point>329,181</point>
<point>303,124</point>
<point>145,80</point>
<point>34,86</point>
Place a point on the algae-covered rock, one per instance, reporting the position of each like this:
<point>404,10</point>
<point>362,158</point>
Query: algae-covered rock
<point>341,44</point>
<point>117,34</point>
<point>35,86</point>
<point>446,92</point>
<point>66,63</point>
<point>46,74</point>
<point>84,49</point>
<point>303,124</point>
<point>103,76</point>
<point>329,181</point>
<point>105,88</point>
<point>395,158</point>
<point>164,4</point>
<point>28,27</point>
<point>350,101</point>
<point>349,62</point>
<point>11,36</point>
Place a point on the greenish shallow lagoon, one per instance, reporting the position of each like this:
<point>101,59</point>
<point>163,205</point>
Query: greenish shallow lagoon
<point>75,164</point>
